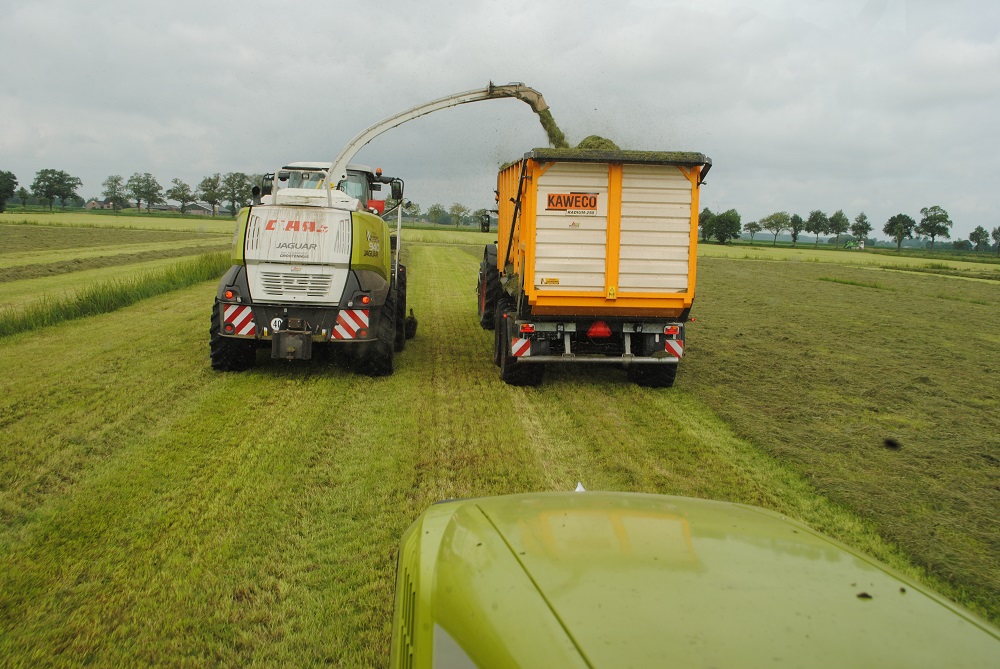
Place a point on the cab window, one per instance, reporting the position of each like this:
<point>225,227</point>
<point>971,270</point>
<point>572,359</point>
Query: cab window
<point>306,179</point>
<point>356,185</point>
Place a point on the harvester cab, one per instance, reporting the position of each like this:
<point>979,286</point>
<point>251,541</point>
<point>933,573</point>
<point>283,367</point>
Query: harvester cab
<point>361,184</point>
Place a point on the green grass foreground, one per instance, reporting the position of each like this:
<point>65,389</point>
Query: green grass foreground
<point>112,295</point>
<point>153,511</point>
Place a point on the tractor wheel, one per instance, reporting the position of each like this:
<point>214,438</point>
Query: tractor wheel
<point>379,356</point>
<point>653,376</point>
<point>511,371</point>
<point>227,353</point>
<point>399,339</point>
<point>490,291</point>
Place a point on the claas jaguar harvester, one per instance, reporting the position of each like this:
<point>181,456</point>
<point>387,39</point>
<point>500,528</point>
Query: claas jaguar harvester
<point>594,261</point>
<point>312,267</point>
<point>314,264</point>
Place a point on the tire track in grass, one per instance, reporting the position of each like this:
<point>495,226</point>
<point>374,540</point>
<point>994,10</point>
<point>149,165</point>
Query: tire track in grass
<point>466,445</point>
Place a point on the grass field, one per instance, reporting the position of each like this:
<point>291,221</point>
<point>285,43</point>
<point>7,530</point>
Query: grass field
<point>45,262</point>
<point>217,224</point>
<point>155,512</point>
<point>28,249</point>
<point>820,365</point>
<point>985,267</point>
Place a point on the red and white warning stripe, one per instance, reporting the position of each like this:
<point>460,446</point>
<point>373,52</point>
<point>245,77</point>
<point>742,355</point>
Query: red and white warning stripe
<point>349,321</point>
<point>675,347</point>
<point>241,316</point>
<point>520,348</point>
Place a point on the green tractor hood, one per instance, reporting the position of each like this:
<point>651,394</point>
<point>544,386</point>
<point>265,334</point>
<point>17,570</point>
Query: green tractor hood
<point>630,580</point>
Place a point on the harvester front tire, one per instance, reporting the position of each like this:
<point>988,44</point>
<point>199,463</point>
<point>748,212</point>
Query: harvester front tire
<point>379,357</point>
<point>653,376</point>
<point>512,372</point>
<point>229,354</point>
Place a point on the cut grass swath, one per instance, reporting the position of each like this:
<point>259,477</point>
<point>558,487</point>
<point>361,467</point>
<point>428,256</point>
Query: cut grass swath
<point>40,270</point>
<point>112,295</point>
<point>849,282</point>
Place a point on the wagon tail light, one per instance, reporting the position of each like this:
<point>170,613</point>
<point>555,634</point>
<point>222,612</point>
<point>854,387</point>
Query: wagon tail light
<point>599,330</point>
<point>527,327</point>
<point>671,330</point>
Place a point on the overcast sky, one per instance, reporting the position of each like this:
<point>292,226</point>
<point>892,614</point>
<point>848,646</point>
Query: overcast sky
<point>884,106</point>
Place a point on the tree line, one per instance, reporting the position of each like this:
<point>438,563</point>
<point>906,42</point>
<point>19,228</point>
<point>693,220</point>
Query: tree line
<point>457,214</point>
<point>232,187</point>
<point>50,185</point>
<point>934,223</point>
<point>143,188</point>
<point>236,187</point>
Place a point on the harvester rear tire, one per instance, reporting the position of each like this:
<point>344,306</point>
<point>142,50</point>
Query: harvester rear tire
<point>379,356</point>
<point>399,340</point>
<point>653,376</point>
<point>227,353</point>
<point>512,372</point>
<point>490,291</point>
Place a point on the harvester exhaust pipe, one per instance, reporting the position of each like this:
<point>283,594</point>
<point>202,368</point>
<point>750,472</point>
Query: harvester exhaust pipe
<point>338,171</point>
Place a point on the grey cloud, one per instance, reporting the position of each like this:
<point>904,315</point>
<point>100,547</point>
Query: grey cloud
<point>885,105</point>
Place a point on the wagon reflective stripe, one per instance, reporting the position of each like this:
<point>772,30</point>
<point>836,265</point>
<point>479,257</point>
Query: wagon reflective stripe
<point>520,348</point>
<point>241,316</point>
<point>349,321</point>
<point>675,346</point>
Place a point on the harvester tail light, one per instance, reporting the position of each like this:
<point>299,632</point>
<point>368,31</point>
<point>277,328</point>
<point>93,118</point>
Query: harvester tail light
<point>527,327</point>
<point>599,330</point>
<point>230,294</point>
<point>366,299</point>
<point>671,330</point>
<point>229,328</point>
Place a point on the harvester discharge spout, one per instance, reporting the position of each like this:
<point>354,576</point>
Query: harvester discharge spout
<point>338,171</point>
<point>522,93</point>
